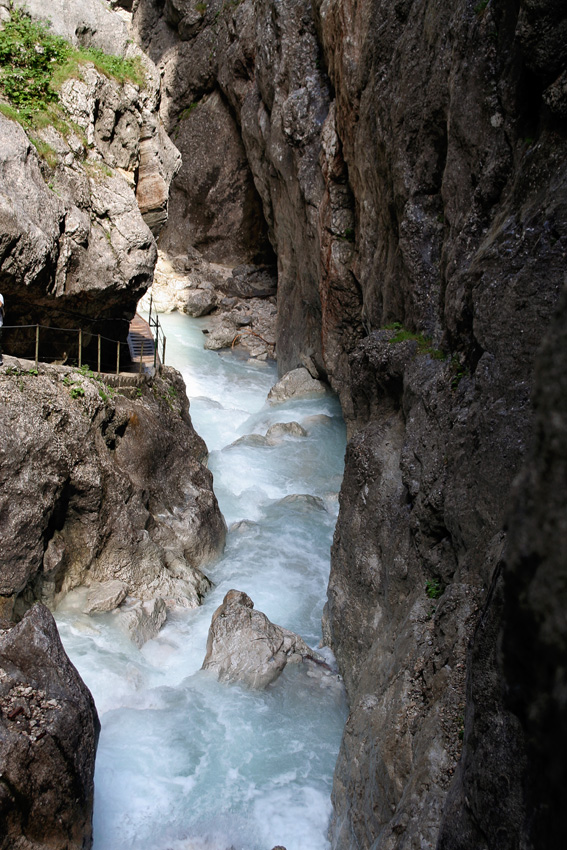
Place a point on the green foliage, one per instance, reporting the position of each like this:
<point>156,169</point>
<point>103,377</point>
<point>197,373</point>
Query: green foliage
<point>85,371</point>
<point>433,588</point>
<point>44,150</point>
<point>115,67</point>
<point>77,391</point>
<point>28,54</point>
<point>34,63</point>
<point>481,7</point>
<point>424,345</point>
<point>459,372</point>
<point>201,8</point>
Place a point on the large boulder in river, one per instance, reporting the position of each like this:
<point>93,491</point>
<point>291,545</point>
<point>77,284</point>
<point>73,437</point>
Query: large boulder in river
<point>48,736</point>
<point>244,646</point>
<point>296,384</point>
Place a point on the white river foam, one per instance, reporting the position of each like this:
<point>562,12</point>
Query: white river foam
<point>186,763</point>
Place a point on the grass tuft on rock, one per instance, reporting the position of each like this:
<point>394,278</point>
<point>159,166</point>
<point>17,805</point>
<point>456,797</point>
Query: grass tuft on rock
<point>34,64</point>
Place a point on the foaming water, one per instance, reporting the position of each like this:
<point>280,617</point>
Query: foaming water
<point>186,763</point>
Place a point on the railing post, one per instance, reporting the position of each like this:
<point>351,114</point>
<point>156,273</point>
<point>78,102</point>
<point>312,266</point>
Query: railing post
<point>163,354</point>
<point>117,356</point>
<point>36,346</point>
<point>98,355</point>
<point>80,347</point>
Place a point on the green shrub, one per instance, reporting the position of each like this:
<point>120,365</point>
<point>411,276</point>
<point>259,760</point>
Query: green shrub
<point>34,63</point>
<point>424,344</point>
<point>433,588</point>
<point>28,54</point>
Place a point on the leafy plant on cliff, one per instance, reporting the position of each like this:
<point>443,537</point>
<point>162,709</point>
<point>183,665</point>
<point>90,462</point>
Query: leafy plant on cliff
<point>34,63</point>
<point>424,344</point>
<point>28,54</point>
<point>433,588</point>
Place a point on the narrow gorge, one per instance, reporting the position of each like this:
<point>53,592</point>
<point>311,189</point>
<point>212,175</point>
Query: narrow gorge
<point>373,193</point>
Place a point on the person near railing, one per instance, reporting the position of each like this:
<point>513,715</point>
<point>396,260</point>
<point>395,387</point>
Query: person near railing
<point>1,324</point>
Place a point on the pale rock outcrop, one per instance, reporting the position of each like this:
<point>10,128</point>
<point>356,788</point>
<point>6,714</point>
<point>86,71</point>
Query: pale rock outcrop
<point>296,384</point>
<point>244,646</point>
<point>200,302</point>
<point>48,736</point>
<point>119,493</point>
<point>142,620</point>
<point>89,23</point>
<point>285,429</point>
<point>105,596</point>
<point>76,247</point>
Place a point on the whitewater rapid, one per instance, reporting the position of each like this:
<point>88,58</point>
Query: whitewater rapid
<point>186,763</point>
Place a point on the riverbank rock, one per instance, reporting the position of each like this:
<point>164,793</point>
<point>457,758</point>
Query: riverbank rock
<point>296,384</point>
<point>120,495</point>
<point>142,620</point>
<point>194,286</point>
<point>48,736</point>
<point>244,646</point>
<point>105,596</point>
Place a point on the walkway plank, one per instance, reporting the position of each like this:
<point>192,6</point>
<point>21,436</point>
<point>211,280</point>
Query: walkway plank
<point>141,344</point>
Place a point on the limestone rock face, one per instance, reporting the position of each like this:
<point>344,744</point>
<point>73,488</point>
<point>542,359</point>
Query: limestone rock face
<point>295,384</point>
<point>223,69</point>
<point>88,23</point>
<point>514,724</point>
<point>453,211</point>
<point>49,732</point>
<point>105,596</point>
<point>244,646</point>
<point>119,493</point>
<point>77,250</point>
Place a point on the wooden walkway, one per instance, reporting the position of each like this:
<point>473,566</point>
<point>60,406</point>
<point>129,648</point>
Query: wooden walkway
<point>141,345</point>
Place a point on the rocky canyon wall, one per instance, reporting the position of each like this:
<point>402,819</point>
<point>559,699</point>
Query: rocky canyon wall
<point>103,485</point>
<point>407,163</point>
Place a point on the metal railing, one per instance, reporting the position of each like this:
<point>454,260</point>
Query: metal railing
<point>75,355</point>
<point>154,323</point>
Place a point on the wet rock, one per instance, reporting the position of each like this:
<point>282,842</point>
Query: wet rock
<point>49,732</point>
<point>199,302</point>
<point>304,500</point>
<point>120,493</point>
<point>296,384</point>
<point>285,429</point>
<point>105,596</point>
<point>220,336</point>
<point>244,646</point>
<point>142,620</point>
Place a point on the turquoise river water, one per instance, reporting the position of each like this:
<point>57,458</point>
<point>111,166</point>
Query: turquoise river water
<point>187,763</point>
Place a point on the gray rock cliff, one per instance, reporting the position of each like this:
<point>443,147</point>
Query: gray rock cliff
<point>119,491</point>
<point>410,160</point>
<point>48,736</point>
<point>406,163</point>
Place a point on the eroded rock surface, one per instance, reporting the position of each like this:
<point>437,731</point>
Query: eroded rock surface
<point>296,384</point>
<point>76,249</point>
<point>244,646</point>
<point>119,491</point>
<point>48,736</point>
